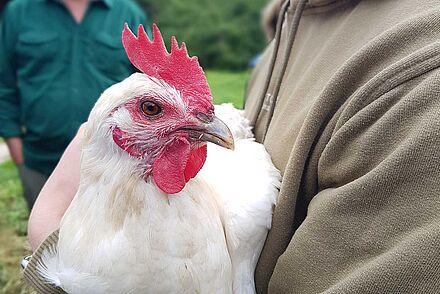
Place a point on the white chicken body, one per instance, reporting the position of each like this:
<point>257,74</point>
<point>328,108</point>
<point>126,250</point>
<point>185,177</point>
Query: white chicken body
<point>121,234</point>
<point>165,244</point>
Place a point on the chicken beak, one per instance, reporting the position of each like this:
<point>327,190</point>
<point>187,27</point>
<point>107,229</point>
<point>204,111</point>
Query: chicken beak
<point>213,130</point>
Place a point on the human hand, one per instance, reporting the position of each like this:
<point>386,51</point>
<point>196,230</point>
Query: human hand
<point>15,147</point>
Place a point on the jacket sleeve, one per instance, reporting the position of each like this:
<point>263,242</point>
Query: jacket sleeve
<point>9,98</point>
<point>374,225</point>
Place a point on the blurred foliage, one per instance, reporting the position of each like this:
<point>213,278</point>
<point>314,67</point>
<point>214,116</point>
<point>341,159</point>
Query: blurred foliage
<point>223,34</point>
<point>13,220</point>
<point>13,209</point>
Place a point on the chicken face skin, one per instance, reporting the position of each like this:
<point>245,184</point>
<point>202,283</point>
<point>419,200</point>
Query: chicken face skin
<point>168,133</point>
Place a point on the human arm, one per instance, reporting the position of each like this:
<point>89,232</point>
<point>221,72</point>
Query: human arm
<point>372,226</point>
<point>15,147</point>
<point>10,127</point>
<point>56,195</point>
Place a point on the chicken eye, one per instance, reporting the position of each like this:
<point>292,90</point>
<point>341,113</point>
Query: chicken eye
<point>150,108</point>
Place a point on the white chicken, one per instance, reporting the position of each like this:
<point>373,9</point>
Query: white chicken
<point>144,219</point>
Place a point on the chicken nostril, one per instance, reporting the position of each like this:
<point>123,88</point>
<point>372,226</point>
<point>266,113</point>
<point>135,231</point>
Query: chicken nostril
<point>204,118</point>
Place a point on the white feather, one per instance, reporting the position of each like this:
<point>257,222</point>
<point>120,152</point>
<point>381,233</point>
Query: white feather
<point>235,120</point>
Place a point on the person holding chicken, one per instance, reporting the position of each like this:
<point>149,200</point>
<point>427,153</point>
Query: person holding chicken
<point>56,57</point>
<point>345,100</point>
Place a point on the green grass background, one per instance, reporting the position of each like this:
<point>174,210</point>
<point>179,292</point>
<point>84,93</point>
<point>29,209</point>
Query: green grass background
<point>225,86</point>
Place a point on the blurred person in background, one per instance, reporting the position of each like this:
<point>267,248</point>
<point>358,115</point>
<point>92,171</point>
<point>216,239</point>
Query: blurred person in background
<point>56,57</point>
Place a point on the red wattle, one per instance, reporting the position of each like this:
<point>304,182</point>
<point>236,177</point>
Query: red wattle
<point>195,162</point>
<point>169,167</point>
<point>176,165</point>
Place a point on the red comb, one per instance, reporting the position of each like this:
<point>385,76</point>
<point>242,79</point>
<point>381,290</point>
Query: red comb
<point>175,68</point>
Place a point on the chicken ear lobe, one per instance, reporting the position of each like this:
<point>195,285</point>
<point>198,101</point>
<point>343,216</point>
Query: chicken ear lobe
<point>169,167</point>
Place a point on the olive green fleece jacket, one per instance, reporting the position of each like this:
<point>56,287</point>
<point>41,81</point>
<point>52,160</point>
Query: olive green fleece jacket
<point>346,100</point>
